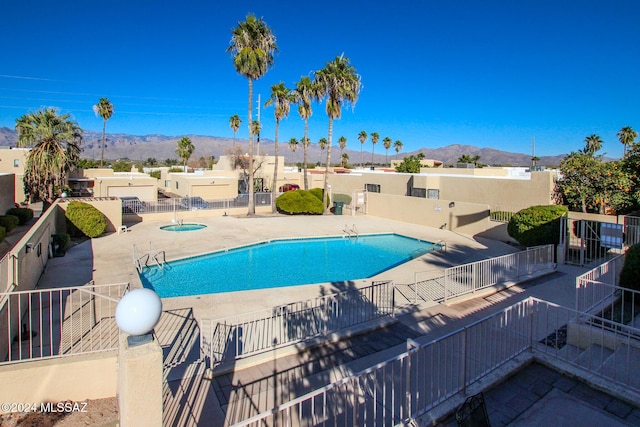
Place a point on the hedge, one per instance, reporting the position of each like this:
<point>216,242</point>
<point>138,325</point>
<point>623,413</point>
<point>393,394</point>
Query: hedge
<point>9,222</point>
<point>631,268</point>
<point>318,192</point>
<point>537,225</point>
<point>23,214</point>
<point>299,202</point>
<point>86,219</point>
<point>344,198</point>
<point>61,243</point>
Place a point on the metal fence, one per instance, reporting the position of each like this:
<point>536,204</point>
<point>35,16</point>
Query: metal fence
<point>59,322</point>
<point>252,333</point>
<point>404,387</point>
<point>598,285</point>
<point>472,277</point>
<point>192,203</point>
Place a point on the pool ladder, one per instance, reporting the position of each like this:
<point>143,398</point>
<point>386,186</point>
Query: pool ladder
<point>159,258</point>
<point>351,232</point>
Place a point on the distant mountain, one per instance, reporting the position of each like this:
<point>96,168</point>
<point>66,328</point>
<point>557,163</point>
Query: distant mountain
<point>161,147</point>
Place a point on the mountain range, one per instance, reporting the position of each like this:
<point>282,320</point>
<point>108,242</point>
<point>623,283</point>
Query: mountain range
<point>161,147</point>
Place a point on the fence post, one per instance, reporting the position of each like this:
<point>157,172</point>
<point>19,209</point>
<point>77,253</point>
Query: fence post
<point>463,352</point>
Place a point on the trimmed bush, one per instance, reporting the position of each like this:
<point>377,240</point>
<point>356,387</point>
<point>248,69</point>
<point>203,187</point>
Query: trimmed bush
<point>61,243</point>
<point>3,232</point>
<point>318,192</point>
<point>9,222</point>
<point>630,274</point>
<point>86,218</point>
<point>23,214</point>
<point>537,225</point>
<point>155,174</point>
<point>344,198</point>
<point>299,202</point>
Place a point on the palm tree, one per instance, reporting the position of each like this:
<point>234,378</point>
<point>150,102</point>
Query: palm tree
<point>345,159</point>
<point>305,92</point>
<point>342,142</point>
<point>322,142</point>
<point>397,146</point>
<point>234,124</point>
<point>185,150</point>
<point>386,143</point>
<point>55,147</point>
<point>305,142</point>
<point>340,83</point>
<point>627,136</point>
<point>375,137</point>
<point>281,99</point>
<point>362,137</point>
<point>293,145</point>
<point>593,143</point>
<point>252,47</point>
<point>103,109</point>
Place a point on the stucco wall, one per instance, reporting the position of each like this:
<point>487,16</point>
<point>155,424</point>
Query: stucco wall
<point>75,378</point>
<point>7,192</point>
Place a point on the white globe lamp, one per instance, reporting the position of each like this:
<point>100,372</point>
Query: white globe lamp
<point>137,313</point>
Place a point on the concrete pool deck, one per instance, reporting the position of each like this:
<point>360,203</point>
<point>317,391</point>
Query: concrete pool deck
<point>113,255</point>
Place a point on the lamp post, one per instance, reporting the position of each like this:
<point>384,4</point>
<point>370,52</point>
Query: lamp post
<point>137,314</point>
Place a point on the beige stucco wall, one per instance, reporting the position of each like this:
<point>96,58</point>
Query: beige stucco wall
<point>7,192</point>
<point>75,378</point>
<point>13,161</point>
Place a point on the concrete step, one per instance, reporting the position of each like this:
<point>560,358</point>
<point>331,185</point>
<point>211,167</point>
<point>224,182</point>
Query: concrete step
<point>622,365</point>
<point>593,357</point>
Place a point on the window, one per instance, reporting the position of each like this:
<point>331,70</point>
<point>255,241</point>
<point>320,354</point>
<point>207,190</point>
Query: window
<point>433,194</point>
<point>16,163</point>
<point>167,183</point>
<point>418,192</point>
<point>372,188</point>
<point>176,185</point>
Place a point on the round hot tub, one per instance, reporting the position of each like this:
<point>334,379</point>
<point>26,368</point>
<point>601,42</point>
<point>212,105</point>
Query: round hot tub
<point>183,227</point>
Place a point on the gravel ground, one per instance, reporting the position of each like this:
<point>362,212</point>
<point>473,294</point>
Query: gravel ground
<point>99,413</point>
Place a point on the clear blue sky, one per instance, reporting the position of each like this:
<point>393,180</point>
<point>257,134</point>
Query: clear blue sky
<point>434,72</point>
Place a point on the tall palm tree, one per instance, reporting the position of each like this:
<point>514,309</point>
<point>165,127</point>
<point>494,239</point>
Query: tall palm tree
<point>339,83</point>
<point>322,142</point>
<point>55,147</point>
<point>234,124</point>
<point>342,142</point>
<point>627,136</point>
<point>592,143</point>
<point>103,109</point>
<point>252,47</point>
<point>305,142</point>
<point>397,146</point>
<point>362,137</point>
<point>375,137</point>
<point>386,143</point>
<point>293,145</point>
<point>281,99</point>
<point>305,92</point>
<point>185,150</point>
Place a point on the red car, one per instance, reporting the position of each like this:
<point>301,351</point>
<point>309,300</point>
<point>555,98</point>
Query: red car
<point>289,187</point>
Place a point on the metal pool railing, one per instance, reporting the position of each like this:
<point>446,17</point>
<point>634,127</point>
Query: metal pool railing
<point>407,386</point>
<point>472,277</point>
<point>248,334</point>
<point>59,322</point>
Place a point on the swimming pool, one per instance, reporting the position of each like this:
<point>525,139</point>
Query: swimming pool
<point>288,262</point>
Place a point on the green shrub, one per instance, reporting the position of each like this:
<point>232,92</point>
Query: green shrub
<point>23,214</point>
<point>61,243</point>
<point>630,274</point>
<point>318,192</point>
<point>86,218</point>
<point>299,202</point>
<point>3,232</point>
<point>537,225</point>
<point>9,222</point>
<point>176,169</point>
<point>155,174</point>
<point>344,198</point>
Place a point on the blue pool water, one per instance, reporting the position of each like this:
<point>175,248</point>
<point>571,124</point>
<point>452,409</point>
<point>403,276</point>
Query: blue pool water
<point>283,263</point>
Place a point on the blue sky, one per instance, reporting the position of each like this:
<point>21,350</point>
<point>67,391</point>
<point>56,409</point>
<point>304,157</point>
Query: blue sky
<point>491,73</point>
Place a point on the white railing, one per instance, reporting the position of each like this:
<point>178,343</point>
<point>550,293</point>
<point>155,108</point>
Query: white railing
<point>240,336</point>
<point>59,322</point>
<point>188,204</point>
<point>472,277</point>
<point>597,285</point>
<point>405,387</point>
